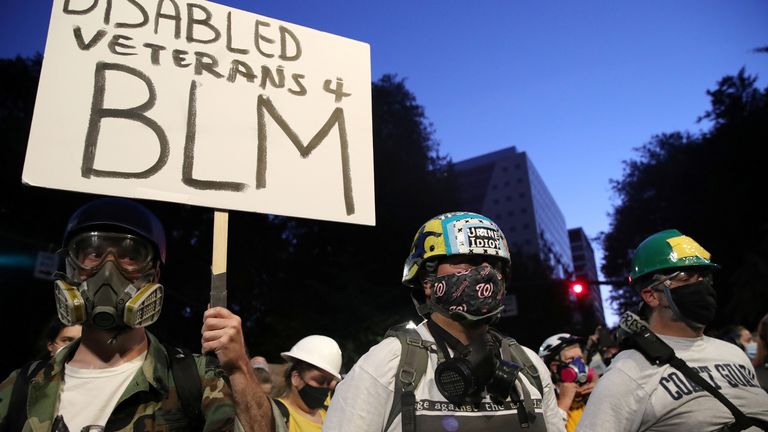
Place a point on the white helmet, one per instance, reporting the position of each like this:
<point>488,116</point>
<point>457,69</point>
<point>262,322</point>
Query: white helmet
<point>554,344</point>
<point>320,351</point>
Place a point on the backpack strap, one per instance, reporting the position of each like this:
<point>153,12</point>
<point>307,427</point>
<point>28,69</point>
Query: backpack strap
<point>512,351</point>
<point>412,367</point>
<point>283,410</point>
<point>636,335</point>
<point>189,386</point>
<point>17,406</point>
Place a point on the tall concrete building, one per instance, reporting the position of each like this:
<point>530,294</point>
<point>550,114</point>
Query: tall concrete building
<point>505,186</point>
<point>585,268</point>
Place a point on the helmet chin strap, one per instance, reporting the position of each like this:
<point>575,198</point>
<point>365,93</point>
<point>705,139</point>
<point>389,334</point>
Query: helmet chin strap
<point>423,309</point>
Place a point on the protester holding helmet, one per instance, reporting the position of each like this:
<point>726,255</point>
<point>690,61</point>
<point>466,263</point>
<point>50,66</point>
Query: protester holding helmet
<point>573,379</point>
<point>314,368</point>
<point>452,371</point>
<point>672,377</point>
<point>118,376</point>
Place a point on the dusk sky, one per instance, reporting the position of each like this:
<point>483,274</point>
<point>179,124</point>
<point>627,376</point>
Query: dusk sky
<point>576,85</point>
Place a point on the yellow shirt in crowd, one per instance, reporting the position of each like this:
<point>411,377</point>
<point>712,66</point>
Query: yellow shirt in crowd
<point>298,422</point>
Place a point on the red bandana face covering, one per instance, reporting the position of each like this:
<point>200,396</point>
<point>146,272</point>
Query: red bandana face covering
<point>469,295</point>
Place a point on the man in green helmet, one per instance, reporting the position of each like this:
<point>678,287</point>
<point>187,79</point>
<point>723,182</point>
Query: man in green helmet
<point>673,275</point>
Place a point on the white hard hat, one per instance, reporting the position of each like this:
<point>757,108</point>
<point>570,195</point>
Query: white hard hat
<point>554,344</point>
<point>317,350</point>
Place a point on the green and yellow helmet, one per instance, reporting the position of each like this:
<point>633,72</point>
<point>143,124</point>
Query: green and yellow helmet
<point>667,250</point>
<point>458,233</point>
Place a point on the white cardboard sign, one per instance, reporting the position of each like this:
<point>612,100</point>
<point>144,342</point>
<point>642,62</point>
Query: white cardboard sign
<point>199,103</point>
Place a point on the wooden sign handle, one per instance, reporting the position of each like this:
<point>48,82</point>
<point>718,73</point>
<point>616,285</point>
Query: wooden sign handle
<point>219,261</point>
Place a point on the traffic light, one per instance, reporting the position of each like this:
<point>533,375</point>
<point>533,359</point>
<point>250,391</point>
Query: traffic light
<point>578,289</point>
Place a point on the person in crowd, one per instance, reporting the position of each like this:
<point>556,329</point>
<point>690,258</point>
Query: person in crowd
<point>263,374</point>
<point>452,371</point>
<point>742,338</point>
<point>573,379</point>
<point>761,359</point>
<point>602,346</point>
<point>118,376</point>
<point>673,275</point>
<point>59,335</point>
<point>315,363</point>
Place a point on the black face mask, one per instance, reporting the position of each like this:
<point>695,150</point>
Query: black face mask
<point>469,295</point>
<point>695,304</point>
<point>313,397</point>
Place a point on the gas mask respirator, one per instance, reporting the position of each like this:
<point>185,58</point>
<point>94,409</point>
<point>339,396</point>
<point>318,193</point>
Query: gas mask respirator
<point>575,371</point>
<point>474,369</point>
<point>116,293</point>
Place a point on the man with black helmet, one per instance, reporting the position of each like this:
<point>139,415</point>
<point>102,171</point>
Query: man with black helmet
<point>673,275</point>
<point>118,376</point>
<point>451,372</point>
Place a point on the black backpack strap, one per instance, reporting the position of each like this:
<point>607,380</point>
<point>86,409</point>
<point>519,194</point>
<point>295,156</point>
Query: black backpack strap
<point>742,420</point>
<point>513,351</point>
<point>17,406</point>
<point>283,410</point>
<point>412,367</point>
<point>638,336</point>
<point>189,386</point>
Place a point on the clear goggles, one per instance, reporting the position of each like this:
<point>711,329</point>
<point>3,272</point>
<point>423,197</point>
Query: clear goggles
<point>92,249</point>
<point>683,277</point>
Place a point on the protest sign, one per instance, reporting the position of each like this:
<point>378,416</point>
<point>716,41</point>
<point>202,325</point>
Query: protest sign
<point>199,103</point>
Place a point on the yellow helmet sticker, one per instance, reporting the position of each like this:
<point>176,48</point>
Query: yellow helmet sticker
<point>434,243</point>
<point>686,247</point>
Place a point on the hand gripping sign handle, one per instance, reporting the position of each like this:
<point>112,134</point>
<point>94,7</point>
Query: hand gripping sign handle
<point>219,261</point>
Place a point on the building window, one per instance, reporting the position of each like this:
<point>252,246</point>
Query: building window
<point>521,195</point>
<point>519,180</point>
<point>510,212</point>
<point>524,210</point>
<point>509,198</point>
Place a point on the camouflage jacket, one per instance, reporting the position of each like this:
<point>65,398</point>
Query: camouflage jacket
<point>149,403</point>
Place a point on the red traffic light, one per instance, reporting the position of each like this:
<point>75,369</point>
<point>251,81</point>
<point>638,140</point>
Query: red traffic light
<point>577,288</point>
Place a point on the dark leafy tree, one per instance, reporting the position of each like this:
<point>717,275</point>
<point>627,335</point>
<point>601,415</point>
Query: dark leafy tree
<point>709,186</point>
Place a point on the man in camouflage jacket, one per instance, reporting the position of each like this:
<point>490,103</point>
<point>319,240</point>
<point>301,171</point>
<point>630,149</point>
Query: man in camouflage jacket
<point>114,250</point>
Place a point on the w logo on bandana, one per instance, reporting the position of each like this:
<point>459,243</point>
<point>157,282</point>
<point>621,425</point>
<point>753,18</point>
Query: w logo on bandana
<point>474,292</point>
<point>484,290</point>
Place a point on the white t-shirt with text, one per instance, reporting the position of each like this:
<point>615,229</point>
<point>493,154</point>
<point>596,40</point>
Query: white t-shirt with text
<point>634,395</point>
<point>363,399</point>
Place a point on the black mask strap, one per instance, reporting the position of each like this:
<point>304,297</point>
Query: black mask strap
<point>443,339</point>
